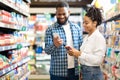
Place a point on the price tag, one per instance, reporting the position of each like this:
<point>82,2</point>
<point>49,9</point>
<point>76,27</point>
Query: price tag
<point>2,48</point>
<point>14,46</point>
<point>6,47</point>
<point>9,69</point>
<point>3,71</point>
<point>19,63</point>
<point>11,47</point>
<point>15,65</point>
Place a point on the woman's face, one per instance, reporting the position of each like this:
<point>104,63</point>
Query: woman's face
<point>88,24</point>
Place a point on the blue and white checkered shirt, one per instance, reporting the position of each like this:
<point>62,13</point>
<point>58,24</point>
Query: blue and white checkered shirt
<point>59,64</point>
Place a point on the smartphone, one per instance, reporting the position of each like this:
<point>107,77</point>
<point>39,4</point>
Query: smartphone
<point>56,35</point>
<point>68,47</point>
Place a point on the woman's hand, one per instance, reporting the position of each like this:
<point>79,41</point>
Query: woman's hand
<point>72,51</point>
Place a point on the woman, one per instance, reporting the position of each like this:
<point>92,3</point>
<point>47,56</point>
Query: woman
<point>93,48</point>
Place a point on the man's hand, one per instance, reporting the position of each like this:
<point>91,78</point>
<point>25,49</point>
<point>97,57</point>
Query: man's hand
<point>57,41</point>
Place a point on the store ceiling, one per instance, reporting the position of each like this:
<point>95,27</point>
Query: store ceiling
<point>52,3</point>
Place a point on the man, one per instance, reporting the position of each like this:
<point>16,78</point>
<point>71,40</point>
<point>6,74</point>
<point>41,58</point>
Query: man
<point>62,33</point>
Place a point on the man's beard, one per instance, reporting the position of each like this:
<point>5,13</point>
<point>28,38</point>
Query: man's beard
<point>62,23</point>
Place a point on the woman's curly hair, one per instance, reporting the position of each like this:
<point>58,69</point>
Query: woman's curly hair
<point>95,14</point>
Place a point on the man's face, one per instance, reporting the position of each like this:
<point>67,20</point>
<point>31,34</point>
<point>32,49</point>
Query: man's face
<point>62,15</point>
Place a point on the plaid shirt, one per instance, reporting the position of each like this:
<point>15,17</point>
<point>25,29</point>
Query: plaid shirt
<point>59,64</point>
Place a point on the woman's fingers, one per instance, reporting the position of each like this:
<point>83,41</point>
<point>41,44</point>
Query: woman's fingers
<point>70,53</point>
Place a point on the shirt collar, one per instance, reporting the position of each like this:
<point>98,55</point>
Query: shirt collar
<point>92,35</point>
<point>58,25</point>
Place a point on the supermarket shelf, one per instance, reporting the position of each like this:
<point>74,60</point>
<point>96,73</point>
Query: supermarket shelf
<point>28,1</point>
<point>39,63</point>
<point>112,35</point>
<point>42,56</point>
<point>25,76</point>
<point>25,44</point>
<point>6,70</point>
<point>117,28</point>
<point>31,62</point>
<point>23,61</point>
<point>10,6</point>
<point>7,28</point>
<point>116,50</point>
<point>13,66</point>
<point>116,17</point>
<point>33,77</point>
<point>4,48</point>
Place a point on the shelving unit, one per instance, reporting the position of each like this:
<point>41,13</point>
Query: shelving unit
<point>13,66</point>
<point>13,45</point>
<point>10,6</point>
<point>116,17</point>
<point>4,48</point>
<point>40,64</point>
<point>111,31</point>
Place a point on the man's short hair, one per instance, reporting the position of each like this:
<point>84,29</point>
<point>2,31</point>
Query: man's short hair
<point>62,4</point>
